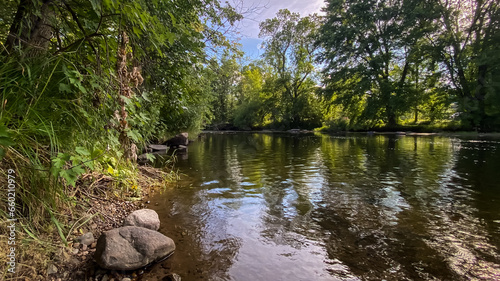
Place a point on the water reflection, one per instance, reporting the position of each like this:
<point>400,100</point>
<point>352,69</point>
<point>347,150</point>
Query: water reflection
<point>316,207</point>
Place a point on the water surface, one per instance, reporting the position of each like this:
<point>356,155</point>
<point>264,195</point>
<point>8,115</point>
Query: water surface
<point>314,207</point>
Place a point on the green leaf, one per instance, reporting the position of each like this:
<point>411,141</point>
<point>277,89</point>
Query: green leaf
<point>150,157</point>
<point>82,151</point>
<point>60,160</point>
<point>95,153</point>
<point>134,135</point>
<point>170,37</point>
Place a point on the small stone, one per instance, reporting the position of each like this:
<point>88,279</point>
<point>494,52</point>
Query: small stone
<point>51,269</point>
<point>84,247</point>
<point>66,274</point>
<point>76,245</point>
<point>126,279</point>
<point>172,277</point>
<point>87,238</point>
<point>75,251</point>
<point>105,278</point>
<point>146,218</point>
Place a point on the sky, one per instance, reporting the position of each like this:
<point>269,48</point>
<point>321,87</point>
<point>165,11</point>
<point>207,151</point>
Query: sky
<point>261,10</point>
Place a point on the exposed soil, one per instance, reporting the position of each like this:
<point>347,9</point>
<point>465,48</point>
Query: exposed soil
<point>107,211</point>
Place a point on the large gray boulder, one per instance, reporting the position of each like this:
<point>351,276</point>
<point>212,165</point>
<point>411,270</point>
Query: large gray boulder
<point>131,247</point>
<point>146,218</point>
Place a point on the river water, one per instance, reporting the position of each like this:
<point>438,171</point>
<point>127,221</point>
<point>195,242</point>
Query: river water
<point>255,206</point>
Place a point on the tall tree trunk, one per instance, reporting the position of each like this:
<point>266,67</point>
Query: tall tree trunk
<point>30,32</point>
<point>391,118</point>
<point>480,96</point>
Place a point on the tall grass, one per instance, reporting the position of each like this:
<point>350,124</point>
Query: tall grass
<point>43,113</point>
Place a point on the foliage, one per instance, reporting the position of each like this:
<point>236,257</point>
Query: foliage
<point>71,89</point>
<point>290,53</point>
<point>467,46</point>
<point>403,59</point>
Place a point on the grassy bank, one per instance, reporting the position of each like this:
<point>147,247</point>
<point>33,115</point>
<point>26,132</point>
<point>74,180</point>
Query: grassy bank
<point>49,212</point>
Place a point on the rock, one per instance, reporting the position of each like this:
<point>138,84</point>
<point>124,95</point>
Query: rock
<point>146,218</point>
<point>86,239</point>
<point>180,139</point>
<point>105,278</point>
<point>51,269</point>
<point>126,279</point>
<point>158,147</point>
<point>76,245</point>
<point>93,245</point>
<point>131,247</point>
<point>84,247</point>
<point>172,277</point>
<point>75,251</point>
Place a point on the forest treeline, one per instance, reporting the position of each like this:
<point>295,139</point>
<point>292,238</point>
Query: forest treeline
<point>129,72</point>
<point>85,84</point>
<point>369,64</point>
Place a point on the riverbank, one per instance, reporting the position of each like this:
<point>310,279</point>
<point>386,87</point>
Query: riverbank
<point>407,133</point>
<point>96,205</point>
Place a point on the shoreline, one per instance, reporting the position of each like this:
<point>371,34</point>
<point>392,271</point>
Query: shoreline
<point>98,206</point>
<point>401,133</point>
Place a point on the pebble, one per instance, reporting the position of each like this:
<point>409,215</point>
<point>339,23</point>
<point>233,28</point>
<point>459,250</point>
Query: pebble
<point>86,239</point>
<point>76,245</point>
<point>84,247</point>
<point>75,251</point>
<point>51,269</point>
<point>126,279</point>
<point>172,277</point>
<point>105,278</point>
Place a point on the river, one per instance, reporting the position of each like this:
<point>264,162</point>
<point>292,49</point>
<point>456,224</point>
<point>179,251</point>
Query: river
<point>256,206</point>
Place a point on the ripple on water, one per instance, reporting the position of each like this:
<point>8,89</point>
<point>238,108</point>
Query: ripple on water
<point>264,207</point>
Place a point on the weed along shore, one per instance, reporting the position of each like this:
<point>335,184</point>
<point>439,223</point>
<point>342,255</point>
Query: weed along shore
<point>64,237</point>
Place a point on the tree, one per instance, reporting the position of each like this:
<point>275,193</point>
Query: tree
<point>223,85</point>
<point>253,103</point>
<point>368,50</point>
<point>467,45</point>
<point>290,52</point>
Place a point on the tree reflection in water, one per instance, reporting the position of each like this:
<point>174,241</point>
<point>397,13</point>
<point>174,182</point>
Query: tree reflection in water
<point>316,207</point>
